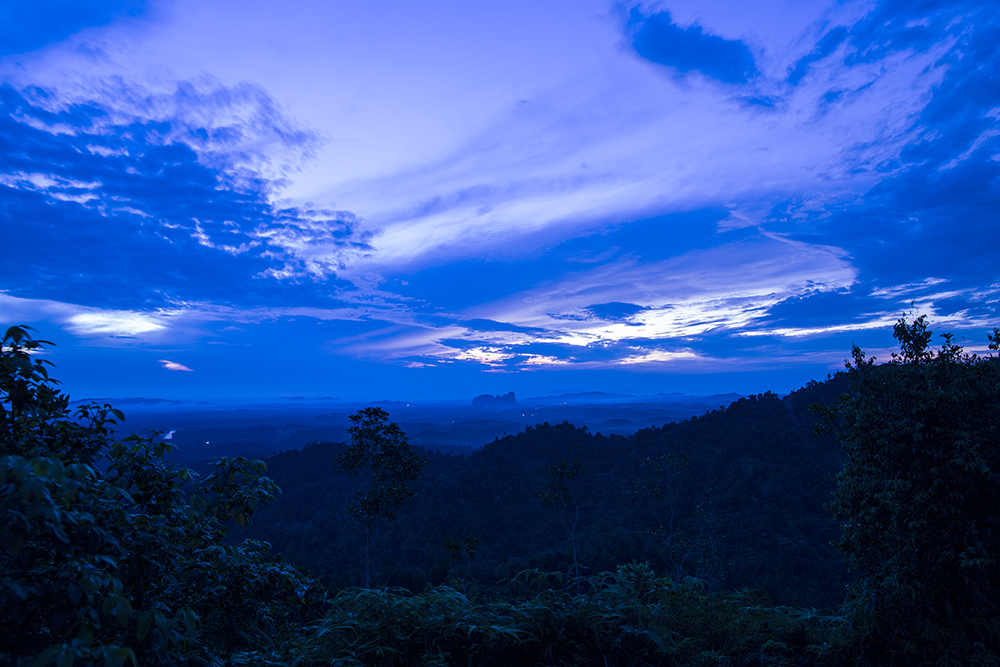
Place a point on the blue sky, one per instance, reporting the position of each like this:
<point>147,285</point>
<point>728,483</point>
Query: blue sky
<point>428,200</point>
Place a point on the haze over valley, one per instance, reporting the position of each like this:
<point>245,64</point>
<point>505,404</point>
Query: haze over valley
<point>204,429</point>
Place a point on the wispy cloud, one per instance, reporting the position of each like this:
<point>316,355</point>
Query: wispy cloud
<point>576,158</point>
<point>600,310</point>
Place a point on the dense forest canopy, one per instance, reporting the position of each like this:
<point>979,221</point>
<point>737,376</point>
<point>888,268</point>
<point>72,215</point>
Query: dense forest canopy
<point>747,508</point>
<point>551,546</point>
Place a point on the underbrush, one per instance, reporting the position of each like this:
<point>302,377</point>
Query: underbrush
<point>629,617</point>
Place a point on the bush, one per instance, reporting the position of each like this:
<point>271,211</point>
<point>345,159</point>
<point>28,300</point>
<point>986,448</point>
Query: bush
<point>629,617</point>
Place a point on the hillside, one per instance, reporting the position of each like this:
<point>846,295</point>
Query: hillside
<point>746,487</point>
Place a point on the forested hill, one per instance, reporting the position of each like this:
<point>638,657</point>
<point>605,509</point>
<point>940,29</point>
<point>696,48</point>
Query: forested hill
<point>735,497</point>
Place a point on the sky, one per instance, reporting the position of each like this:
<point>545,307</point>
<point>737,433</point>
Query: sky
<point>375,199</point>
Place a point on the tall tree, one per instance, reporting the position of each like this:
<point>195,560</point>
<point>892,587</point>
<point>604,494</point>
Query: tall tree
<point>919,501</point>
<point>385,468</point>
<point>562,490</point>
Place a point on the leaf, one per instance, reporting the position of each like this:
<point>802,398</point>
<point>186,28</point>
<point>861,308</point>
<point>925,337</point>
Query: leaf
<point>14,542</point>
<point>123,609</point>
<point>46,656</point>
<point>144,625</point>
<point>127,653</point>
<point>112,657</point>
<point>160,620</point>
<point>75,592</point>
<point>66,657</point>
<point>190,622</point>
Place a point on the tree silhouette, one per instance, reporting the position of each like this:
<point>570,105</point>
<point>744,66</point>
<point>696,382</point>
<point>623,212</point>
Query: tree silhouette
<point>385,467</point>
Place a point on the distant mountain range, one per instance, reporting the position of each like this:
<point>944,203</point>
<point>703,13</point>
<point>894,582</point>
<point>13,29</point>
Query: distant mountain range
<point>485,400</point>
<point>117,402</point>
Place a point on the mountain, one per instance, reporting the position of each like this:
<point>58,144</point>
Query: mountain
<point>486,400</point>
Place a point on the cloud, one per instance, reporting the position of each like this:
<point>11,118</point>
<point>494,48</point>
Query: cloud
<point>314,243</point>
<point>185,322</point>
<point>114,209</point>
<point>86,321</point>
<point>779,188</point>
<point>124,324</point>
<point>933,203</point>
<point>239,131</point>
<point>632,145</point>
<point>174,366</point>
<point>615,310</point>
<point>658,39</point>
<point>826,46</point>
<point>626,312</point>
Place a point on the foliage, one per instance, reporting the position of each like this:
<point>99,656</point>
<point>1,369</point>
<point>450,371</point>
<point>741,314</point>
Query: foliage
<point>629,617</point>
<point>385,467</point>
<point>918,502</point>
<point>109,554</point>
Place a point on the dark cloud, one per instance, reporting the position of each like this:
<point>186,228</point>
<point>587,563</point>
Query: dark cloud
<point>116,214</point>
<point>27,26</point>
<point>658,39</point>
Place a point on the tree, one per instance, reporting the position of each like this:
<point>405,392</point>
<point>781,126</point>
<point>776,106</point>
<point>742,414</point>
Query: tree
<point>919,501</point>
<point>558,493</point>
<point>385,467</point>
<point>110,554</point>
<point>458,549</point>
<point>691,549</point>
